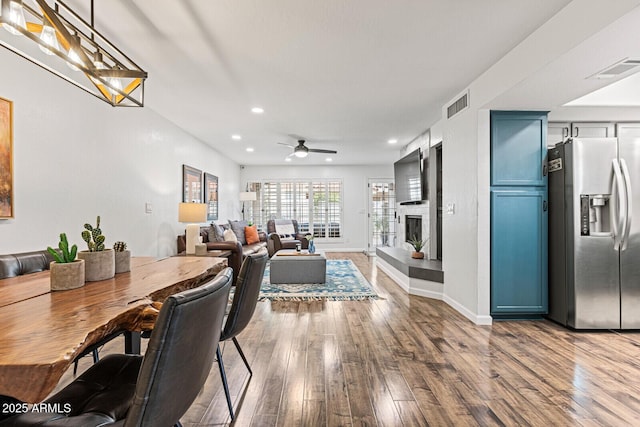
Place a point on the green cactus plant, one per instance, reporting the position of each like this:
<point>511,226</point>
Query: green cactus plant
<point>119,246</point>
<point>66,255</point>
<point>93,236</point>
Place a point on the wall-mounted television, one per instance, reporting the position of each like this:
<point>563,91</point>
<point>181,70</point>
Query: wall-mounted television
<point>410,173</point>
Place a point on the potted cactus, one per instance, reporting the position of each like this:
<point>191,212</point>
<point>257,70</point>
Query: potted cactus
<point>67,272</point>
<point>123,257</point>
<point>100,263</point>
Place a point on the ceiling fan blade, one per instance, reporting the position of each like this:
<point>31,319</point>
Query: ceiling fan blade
<point>282,143</point>
<point>315,150</point>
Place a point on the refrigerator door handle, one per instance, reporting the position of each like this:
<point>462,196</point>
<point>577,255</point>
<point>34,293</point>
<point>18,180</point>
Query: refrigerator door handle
<point>628,214</point>
<point>619,205</point>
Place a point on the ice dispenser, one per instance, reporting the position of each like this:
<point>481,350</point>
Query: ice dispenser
<point>595,218</point>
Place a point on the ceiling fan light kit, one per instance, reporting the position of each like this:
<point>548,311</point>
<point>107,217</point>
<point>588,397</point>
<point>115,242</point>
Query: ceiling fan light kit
<point>54,37</point>
<point>302,150</point>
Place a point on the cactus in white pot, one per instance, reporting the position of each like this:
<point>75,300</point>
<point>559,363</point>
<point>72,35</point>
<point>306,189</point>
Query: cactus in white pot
<point>123,257</point>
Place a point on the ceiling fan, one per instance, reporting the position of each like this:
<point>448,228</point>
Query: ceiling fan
<point>302,150</point>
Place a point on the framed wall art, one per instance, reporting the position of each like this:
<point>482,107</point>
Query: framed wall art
<point>6,159</point>
<point>211,195</point>
<point>191,184</point>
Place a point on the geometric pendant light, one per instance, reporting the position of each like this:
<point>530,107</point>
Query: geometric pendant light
<point>52,36</point>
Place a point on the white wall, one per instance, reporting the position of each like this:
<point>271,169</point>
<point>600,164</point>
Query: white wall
<point>76,157</point>
<point>354,181</point>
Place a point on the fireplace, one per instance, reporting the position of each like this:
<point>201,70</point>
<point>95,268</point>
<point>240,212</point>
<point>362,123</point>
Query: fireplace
<point>413,227</point>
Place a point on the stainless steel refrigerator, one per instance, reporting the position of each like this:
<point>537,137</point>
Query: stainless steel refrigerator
<point>594,233</point>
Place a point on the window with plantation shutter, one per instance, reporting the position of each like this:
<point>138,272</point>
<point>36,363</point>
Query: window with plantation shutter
<point>316,205</point>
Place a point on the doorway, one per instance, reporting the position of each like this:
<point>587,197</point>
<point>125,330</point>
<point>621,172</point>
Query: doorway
<point>382,214</point>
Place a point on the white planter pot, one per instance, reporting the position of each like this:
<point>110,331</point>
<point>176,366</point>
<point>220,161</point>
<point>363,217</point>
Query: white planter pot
<point>98,265</point>
<point>66,276</point>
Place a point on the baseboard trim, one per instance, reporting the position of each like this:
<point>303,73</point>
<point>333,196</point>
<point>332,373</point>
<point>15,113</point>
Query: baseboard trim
<point>427,294</point>
<point>399,278</point>
<point>477,319</point>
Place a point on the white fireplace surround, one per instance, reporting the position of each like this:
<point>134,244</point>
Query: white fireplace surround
<point>421,210</point>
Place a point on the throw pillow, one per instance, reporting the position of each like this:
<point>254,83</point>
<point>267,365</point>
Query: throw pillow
<point>230,236</point>
<point>251,234</point>
<point>238,229</point>
<point>285,229</point>
<point>216,233</point>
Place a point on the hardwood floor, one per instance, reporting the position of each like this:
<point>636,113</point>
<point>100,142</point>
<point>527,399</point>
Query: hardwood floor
<point>412,361</point>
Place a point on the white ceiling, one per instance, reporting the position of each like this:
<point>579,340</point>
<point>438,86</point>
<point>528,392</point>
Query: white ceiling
<point>344,75</point>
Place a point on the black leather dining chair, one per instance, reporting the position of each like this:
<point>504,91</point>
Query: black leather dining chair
<point>153,390</point>
<point>245,298</point>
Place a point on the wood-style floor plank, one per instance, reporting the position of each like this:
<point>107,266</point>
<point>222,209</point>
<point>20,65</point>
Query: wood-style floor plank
<point>410,361</point>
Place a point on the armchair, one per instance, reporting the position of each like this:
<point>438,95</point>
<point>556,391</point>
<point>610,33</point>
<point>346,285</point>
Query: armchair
<point>275,242</point>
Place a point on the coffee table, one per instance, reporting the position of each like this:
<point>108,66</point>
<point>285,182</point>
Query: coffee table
<point>289,266</point>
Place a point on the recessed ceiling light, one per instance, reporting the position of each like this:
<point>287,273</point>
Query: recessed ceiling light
<point>236,137</point>
<point>288,159</point>
<point>392,141</point>
<point>257,110</point>
<point>250,149</point>
<point>328,159</point>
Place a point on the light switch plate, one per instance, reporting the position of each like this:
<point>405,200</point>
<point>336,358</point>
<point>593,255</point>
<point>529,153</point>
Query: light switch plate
<point>451,208</point>
<point>148,208</point>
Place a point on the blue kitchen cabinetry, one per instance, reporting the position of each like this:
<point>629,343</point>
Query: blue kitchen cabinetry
<point>519,215</point>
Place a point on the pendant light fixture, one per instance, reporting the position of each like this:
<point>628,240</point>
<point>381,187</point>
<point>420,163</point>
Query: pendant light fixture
<point>15,18</point>
<point>48,38</point>
<point>71,43</point>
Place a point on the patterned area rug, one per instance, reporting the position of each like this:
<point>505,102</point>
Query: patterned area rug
<point>344,283</point>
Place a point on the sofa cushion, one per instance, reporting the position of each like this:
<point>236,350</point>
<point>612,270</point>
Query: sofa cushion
<point>251,234</point>
<point>238,229</point>
<point>285,229</point>
<point>230,236</point>
<point>216,233</point>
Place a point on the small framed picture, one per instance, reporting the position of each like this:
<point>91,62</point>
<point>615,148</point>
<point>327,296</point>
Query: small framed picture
<point>191,184</point>
<point>211,195</point>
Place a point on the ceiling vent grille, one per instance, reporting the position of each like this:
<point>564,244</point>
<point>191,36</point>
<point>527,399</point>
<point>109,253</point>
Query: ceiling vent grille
<point>617,69</point>
<point>458,105</point>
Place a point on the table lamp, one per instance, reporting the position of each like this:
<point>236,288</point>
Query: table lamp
<point>192,214</point>
<point>247,196</point>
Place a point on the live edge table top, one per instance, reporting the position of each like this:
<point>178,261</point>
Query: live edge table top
<point>41,332</point>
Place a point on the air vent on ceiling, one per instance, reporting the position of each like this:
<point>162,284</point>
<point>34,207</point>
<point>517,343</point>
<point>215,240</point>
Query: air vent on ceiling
<point>616,69</point>
<point>458,105</point>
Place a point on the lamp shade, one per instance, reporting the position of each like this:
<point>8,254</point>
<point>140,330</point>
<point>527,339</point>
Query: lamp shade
<point>192,212</point>
<point>247,196</point>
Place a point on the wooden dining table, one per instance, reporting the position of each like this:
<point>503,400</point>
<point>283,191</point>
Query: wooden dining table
<point>43,331</point>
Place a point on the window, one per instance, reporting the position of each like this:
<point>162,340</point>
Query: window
<point>317,205</point>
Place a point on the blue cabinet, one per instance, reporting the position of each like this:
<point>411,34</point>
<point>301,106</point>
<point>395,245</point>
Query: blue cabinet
<point>518,252</point>
<point>519,217</point>
<point>518,148</point>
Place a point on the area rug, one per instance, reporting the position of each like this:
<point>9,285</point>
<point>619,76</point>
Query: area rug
<point>344,283</point>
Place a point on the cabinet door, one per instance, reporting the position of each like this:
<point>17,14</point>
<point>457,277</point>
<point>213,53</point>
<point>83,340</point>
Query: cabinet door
<point>518,148</point>
<point>519,222</point>
<point>593,130</point>
<point>557,132</point>
<point>628,130</point>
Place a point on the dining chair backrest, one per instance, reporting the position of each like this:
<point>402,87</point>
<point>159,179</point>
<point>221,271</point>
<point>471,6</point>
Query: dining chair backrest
<point>246,294</point>
<point>180,353</point>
